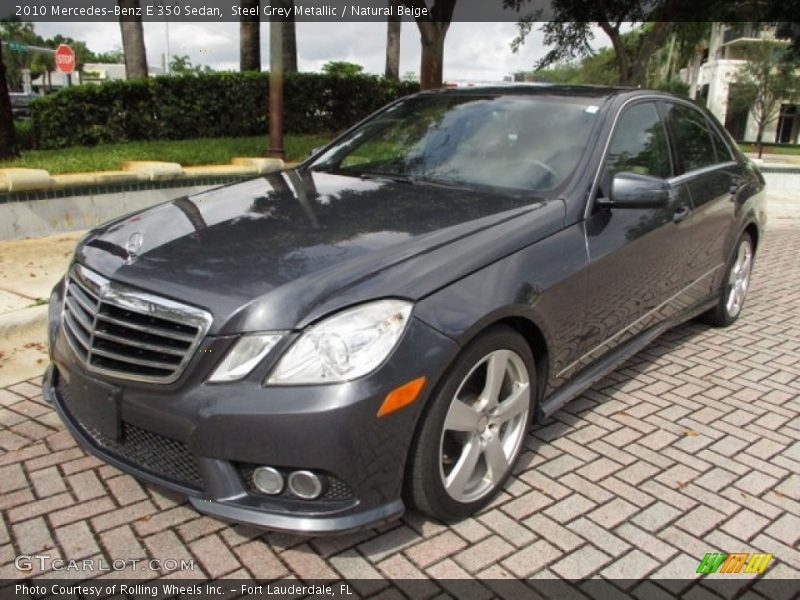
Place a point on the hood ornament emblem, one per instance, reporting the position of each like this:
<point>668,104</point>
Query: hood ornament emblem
<point>132,247</point>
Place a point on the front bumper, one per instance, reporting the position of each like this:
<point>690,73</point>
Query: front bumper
<point>201,439</point>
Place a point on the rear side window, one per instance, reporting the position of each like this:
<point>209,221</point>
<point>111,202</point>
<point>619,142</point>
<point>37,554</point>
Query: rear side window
<point>692,135</point>
<point>723,150</point>
<point>639,143</point>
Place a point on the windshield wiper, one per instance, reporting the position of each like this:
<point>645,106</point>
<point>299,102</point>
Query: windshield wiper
<point>397,178</point>
<point>443,183</point>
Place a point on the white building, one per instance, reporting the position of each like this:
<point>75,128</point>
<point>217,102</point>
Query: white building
<point>91,73</point>
<point>712,76</point>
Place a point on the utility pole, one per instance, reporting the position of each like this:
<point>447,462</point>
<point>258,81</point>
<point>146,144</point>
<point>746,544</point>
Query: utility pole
<point>276,88</point>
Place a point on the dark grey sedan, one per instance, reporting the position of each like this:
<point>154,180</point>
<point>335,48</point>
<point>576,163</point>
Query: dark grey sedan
<point>316,350</point>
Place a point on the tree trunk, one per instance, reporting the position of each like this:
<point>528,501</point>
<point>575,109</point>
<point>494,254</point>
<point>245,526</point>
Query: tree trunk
<point>276,26</point>
<point>289,40</point>
<point>432,36</point>
<point>696,63</point>
<point>250,38</point>
<point>432,31</point>
<point>760,138</point>
<point>393,43</point>
<point>8,136</point>
<point>133,41</point>
<point>666,67</point>
<point>620,54</point>
<point>638,67</point>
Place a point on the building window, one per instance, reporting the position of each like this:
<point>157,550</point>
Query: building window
<point>788,125</point>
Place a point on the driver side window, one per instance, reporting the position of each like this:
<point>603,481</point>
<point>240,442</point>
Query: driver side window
<point>638,145</point>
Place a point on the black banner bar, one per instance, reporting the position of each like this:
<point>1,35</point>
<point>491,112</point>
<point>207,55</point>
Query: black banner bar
<point>332,11</point>
<point>347,589</point>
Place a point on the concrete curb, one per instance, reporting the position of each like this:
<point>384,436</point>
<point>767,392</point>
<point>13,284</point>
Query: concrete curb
<point>154,170</point>
<point>71,180</point>
<point>23,321</point>
<point>261,165</point>
<point>133,171</point>
<point>23,180</point>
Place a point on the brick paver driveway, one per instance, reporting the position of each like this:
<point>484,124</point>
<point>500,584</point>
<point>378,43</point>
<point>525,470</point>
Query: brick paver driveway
<point>691,447</point>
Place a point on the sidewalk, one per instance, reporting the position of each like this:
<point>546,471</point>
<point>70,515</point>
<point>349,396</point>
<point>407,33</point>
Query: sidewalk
<point>29,269</point>
<point>768,159</point>
<point>691,447</point>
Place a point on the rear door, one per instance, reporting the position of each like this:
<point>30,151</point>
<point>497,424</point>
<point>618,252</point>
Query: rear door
<point>707,168</point>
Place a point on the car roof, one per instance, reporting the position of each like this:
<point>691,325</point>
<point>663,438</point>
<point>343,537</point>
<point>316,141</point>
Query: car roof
<point>600,92</point>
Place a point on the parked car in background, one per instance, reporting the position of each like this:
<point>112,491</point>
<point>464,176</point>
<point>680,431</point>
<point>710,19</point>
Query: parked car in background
<point>318,349</point>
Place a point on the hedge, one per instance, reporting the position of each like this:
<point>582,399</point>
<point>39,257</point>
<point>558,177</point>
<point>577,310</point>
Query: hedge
<point>206,105</point>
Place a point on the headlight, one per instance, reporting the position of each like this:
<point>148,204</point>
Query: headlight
<point>246,353</point>
<point>345,346</point>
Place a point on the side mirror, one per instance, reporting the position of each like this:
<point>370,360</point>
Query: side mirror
<point>632,190</point>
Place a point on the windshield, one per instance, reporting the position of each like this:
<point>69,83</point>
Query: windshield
<point>530,143</point>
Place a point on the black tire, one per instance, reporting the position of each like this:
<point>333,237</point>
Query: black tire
<point>722,315</point>
<point>425,488</point>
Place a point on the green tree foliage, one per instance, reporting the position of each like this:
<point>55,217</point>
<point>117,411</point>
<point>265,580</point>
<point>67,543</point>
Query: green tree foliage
<point>569,32</point>
<point>600,67</point>
<point>342,68</point>
<point>114,57</point>
<point>182,65</point>
<point>768,79</point>
<point>790,30</point>
<point>596,69</point>
<point>14,30</point>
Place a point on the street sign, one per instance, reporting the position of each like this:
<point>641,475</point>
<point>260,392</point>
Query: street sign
<point>65,59</point>
<point>17,46</point>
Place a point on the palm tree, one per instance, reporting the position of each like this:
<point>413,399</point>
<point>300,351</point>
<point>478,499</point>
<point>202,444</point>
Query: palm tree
<point>289,40</point>
<point>393,42</point>
<point>8,138</point>
<point>133,40</point>
<point>249,36</point>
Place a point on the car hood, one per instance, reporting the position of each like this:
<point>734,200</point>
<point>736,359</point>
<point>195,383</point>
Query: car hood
<point>278,251</point>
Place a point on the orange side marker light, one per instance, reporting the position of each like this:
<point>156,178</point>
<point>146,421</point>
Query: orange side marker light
<point>401,396</point>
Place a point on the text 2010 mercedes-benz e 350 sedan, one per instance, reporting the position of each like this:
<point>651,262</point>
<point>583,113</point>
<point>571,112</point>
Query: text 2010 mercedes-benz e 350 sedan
<point>317,349</point>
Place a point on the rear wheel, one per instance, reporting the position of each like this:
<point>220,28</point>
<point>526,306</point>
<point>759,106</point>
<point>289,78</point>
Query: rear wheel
<point>735,287</point>
<point>474,429</point>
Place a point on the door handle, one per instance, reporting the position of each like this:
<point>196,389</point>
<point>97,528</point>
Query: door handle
<point>680,213</point>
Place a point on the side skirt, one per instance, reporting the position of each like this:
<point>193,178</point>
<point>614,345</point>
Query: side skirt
<point>612,360</point>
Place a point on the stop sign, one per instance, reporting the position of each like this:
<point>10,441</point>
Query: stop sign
<point>65,59</point>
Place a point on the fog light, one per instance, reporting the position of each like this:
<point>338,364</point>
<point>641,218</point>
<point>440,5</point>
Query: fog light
<point>268,480</point>
<point>305,484</point>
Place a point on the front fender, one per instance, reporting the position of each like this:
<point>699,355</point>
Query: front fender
<point>544,283</point>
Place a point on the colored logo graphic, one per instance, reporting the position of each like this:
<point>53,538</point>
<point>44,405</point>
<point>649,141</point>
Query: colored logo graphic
<point>724,563</point>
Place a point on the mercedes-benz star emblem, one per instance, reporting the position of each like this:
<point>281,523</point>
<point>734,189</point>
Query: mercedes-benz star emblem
<point>133,245</point>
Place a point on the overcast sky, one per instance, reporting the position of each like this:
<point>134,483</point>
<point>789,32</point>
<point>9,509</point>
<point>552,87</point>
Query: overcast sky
<point>473,51</point>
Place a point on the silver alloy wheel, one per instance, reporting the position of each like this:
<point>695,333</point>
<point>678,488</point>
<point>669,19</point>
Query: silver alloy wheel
<point>739,278</point>
<point>484,426</point>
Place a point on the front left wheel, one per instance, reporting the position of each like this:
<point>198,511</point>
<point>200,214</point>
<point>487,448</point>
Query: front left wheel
<point>474,429</point>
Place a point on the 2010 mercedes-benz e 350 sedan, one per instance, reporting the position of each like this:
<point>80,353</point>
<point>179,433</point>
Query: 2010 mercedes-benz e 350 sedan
<point>316,350</point>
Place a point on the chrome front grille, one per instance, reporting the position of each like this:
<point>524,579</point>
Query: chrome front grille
<point>129,334</point>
